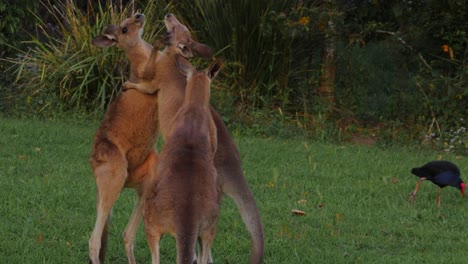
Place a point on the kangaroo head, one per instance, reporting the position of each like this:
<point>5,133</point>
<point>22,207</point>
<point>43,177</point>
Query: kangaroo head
<point>126,35</point>
<point>178,38</point>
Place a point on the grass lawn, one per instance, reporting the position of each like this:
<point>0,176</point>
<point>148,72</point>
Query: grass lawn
<point>355,199</point>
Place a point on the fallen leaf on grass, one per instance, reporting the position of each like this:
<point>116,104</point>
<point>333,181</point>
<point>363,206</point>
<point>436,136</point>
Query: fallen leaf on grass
<point>40,238</point>
<point>320,205</point>
<point>270,185</point>
<point>302,201</point>
<point>298,212</point>
<point>394,180</point>
<point>22,156</point>
<point>37,150</point>
<point>338,216</point>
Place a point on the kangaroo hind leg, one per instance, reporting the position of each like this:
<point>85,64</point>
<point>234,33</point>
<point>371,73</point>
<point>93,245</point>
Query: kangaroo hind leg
<point>110,180</point>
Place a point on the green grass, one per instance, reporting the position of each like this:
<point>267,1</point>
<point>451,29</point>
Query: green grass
<point>47,211</point>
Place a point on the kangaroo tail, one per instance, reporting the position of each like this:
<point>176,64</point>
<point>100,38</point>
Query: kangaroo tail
<point>186,244</point>
<point>245,202</point>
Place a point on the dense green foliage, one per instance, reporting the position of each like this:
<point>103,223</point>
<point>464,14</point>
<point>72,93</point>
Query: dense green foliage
<point>268,49</point>
<point>15,24</point>
<point>406,63</point>
<point>401,65</point>
<point>355,199</point>
<point>66,72</point>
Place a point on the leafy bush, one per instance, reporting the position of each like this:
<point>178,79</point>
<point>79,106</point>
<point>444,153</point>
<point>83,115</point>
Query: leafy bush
<point>375,83</point>
<point>272,51</point>
<point>15,21</point>
<point>454,139</point>
<point>62,70</point>
<point>14,24</point>
<point>268,46</point>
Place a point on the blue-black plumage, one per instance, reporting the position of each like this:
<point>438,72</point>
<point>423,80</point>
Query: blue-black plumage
<point>442,173</point>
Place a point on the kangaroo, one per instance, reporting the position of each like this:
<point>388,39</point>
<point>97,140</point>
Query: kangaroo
<point>171,85</point>
<point>123,153</point>
<point>184,199</point>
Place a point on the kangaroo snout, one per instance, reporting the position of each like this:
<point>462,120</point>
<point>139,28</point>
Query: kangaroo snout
<point>172,23</point>
<point>178,36</point>
<point>139,17</point>
<point>168,16</point>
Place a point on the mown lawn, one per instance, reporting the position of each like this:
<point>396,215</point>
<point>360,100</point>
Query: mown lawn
<point>355,199</point>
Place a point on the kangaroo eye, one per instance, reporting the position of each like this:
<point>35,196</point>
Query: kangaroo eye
<point>124,30</point>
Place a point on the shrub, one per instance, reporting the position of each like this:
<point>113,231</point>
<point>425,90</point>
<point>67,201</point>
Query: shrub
<point>375,83</point>
<point>62,70</point>
<point>15,22</point>
<point>268,46</point>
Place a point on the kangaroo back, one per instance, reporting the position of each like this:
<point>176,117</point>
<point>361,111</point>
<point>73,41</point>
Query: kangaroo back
<point>185,200</point>
<point>171,96</point>
<point>123,152</point>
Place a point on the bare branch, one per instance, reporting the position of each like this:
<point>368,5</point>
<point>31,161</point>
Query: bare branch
<point>395,34</point>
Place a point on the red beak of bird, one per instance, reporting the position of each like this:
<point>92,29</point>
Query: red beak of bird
<point>462,185</point>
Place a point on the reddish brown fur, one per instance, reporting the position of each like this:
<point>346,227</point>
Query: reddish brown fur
<point>184,200</point>
<point>171,85</point>
<point>123,152</point>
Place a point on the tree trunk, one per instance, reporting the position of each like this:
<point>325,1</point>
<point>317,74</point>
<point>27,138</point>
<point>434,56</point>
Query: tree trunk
<point>326,89</point>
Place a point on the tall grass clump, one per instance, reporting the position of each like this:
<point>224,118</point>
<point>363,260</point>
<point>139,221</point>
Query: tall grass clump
<point>62,70</point>
<point>268,47</point>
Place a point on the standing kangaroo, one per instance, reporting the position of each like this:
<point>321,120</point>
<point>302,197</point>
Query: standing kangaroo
<point>123,152</point>
<point>184,198</point>
<point>171,84</point>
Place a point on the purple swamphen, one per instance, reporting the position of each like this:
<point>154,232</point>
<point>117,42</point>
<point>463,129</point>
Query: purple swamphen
<point>442,173</point>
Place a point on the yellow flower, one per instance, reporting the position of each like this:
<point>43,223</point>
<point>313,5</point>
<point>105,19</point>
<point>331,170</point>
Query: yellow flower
<point>448,50</point>
<point>445,48</point>
<point>304,21</point>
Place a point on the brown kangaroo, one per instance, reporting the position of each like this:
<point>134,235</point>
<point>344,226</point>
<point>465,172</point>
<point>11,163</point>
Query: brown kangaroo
<point>184,198</point>
<point>171,84</point>
<point>123,152</point>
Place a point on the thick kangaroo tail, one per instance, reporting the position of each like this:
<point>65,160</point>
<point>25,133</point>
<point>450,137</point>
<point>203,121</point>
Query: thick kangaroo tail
<point>239,192</point>
<point>186,243</point>
<point>234,184</point>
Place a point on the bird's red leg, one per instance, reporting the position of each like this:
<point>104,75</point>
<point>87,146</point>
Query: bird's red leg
<point>416,189</point>
<point>438,197</point>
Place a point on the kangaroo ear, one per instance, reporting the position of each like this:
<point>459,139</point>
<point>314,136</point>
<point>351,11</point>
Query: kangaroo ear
<point>183,65</point>
<point>103,41</point>
<point>202,50</point>
<point>110,30</point>
<point>185,50</point>
<point>214,68</point>
<point>107,39</point>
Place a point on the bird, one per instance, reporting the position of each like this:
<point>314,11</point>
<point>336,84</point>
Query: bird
<point>442,173</point>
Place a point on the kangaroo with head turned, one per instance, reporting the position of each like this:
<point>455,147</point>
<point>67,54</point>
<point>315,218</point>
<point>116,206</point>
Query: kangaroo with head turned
<point>184,198</point>
<point>171,85</point>
<point>123,152</point>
